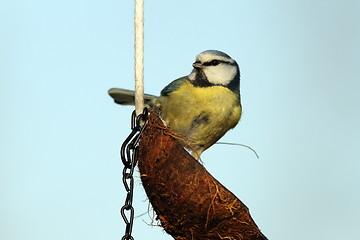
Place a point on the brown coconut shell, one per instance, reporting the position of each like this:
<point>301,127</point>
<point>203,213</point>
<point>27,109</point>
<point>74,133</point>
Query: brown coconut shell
<point>188,201</point>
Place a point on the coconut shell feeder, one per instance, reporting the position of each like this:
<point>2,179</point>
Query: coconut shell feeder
<point>188,201</point>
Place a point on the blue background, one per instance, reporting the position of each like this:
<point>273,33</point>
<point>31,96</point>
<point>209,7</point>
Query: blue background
<point>60,173</point>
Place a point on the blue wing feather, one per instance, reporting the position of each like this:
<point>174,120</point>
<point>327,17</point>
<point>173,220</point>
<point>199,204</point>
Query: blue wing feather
<point>173,86</point>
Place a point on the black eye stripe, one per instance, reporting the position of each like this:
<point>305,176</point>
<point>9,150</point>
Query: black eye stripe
<point>214,62</point>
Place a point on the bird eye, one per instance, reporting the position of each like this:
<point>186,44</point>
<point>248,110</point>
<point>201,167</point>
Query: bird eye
<point>214,62</point>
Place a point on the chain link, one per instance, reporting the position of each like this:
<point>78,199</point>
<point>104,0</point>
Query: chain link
<point>128,154</point>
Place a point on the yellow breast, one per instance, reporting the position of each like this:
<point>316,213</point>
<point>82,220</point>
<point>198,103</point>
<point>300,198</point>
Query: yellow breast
<point>202,114</point>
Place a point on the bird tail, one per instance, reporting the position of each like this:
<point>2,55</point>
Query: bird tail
<point>127,97</point>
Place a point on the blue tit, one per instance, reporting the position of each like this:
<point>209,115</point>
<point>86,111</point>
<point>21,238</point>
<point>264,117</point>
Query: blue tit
<point>202,106</point>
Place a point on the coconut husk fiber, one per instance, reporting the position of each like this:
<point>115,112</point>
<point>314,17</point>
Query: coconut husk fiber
<point>188,201</point>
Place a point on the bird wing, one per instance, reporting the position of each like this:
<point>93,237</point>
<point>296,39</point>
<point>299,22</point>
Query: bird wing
<point>173,86</point>
<point>127,97</point>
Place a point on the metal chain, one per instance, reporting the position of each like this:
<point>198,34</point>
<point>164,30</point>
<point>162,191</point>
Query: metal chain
<point>128,154</point>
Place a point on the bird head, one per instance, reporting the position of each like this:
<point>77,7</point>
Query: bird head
<point>213,67</point>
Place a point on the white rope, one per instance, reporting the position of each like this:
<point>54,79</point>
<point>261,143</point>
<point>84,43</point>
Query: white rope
<point>139,56</point>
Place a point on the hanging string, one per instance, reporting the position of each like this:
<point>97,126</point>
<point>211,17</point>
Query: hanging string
<point>139,56</point>
<point>138,122</point>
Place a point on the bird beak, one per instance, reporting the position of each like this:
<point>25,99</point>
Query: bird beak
<point>197,65</point>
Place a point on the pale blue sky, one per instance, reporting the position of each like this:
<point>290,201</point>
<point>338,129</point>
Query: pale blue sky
<point>60,174</point>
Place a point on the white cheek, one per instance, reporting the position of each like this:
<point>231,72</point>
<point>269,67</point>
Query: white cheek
<point>220,74</point>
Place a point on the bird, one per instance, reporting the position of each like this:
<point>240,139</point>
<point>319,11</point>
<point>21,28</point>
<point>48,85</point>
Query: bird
<point>201,106</point>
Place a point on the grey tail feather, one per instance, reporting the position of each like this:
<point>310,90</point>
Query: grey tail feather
<point>127,97</point>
